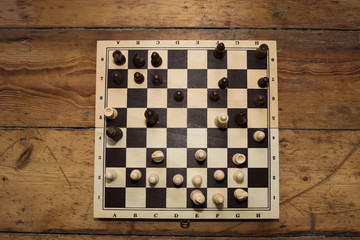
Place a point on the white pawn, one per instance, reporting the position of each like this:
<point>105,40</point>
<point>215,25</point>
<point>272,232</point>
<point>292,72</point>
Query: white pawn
<point>197,197</point>
<point>200,155</point>
<point>135,175</point>
<point>259,136</point>
<point>110,175</point>
<point>196,180</point>
<point>157,156</point>
<point>238,158</point>
<point>153,179</point>
<point>221,120</point>
<point>218,199</point>
<point>240,194</point>
<point>219,175</point>
<point>238,176</point>
<point>110,113</point>
<point>178,179</point>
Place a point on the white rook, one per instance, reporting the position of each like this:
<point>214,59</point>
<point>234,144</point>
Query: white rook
<point>110,113</point>
<point>238,158</point>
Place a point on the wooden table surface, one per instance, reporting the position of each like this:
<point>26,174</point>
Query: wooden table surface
<point>47,98</point>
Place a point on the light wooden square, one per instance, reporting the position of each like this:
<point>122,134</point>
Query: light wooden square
<point>237,138</point>
<point>117,97</point>
<point>156,137</point>
<point>157,98</point>
<point>176,157</point>
<point>237,98</point>
<point>161,172</point>
<point>131,81</point>
<point>257,158</point>
<point>236,59</point>
<point>136,118</point>
<point>196,138</point>
<point>258,197</point>
<point>136,157</point>
<point>197,59</point>
<point>176,117</point>
<point>257,117</point>
<point>119,144</point>
<point>197,98</point>
<point>213,77</point>
<point>217,157</point>
<point>120,178</point>
<point>212,113</point>
<point>177,78</point>
<point>135,197</point>
<point>163,54</point>
<point>196,171</point>
<point>253,76</point>
<point>211,192</point>
<point>112,65</point>
<point>232,183</point>
<point>176,197</point>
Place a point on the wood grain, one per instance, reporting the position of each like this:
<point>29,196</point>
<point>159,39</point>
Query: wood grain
<point>47,77</point>
<point>326,14</point>
<point>319,179</point>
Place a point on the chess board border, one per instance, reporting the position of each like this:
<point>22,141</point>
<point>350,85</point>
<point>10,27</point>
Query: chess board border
<point>268,213</point>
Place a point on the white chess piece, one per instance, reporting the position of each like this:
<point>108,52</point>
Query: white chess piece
<point>259,136</point>
<point>219,175</point>
<point>196,180</point>
<point>110,113</point>
<point>240,194</point>
<point>200,155</point>
<point>238,176</point>
<point>197,197</point>
<point>238,158</point>
<point>135,175</point>
<point>157,156</point>
<point>153,179</point>
<point>178,179</point>
<point>110,175</point>
<point>221,120</point>
<point>218,199</point>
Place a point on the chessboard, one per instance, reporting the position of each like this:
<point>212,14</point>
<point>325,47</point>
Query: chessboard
<point>186,129</point>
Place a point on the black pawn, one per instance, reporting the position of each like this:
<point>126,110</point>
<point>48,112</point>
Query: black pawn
<point>138,78</point>
<point>119,58</point>
<point>223,83</point>
<point>151,117</point>
<point>263,82</point>
<point>138,60</point>
<point>259,100</point>
<point>178,96</point>
<point>114,133</point>
<point>157,79</point>
<point>156,60</point>
<point>240,118</point>
<point>219,51</point>
<point>261,51</point>
<point>118,78</point>
<point>214,96</point>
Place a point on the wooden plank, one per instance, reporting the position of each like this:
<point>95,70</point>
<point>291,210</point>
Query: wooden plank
<point>47,78</point>
<point>191,13</point>
<point>50,188</point>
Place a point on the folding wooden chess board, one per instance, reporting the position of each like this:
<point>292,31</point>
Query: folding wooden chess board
<point>130,183</point>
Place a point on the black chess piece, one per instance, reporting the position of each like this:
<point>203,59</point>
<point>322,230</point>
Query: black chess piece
<point>241,118</point>
<point>157,79</point>
<point>223,83</point>
<point>214,96</point>
<point>114,133</point>
<point>261,52</point>
<point>119,58</point>
<point>219,51</point>
<point>156,60</point>
<point>118,78</point>
<point>259,100</point>
<point>263,82</point>
<point>178,95</point>
<point>138,78</point>
<point>151,116</point>
<point>138,60</point>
